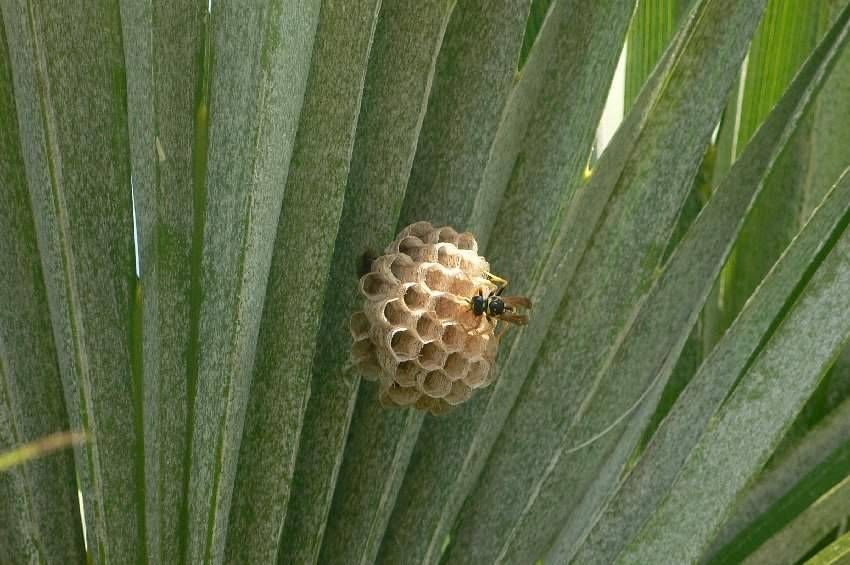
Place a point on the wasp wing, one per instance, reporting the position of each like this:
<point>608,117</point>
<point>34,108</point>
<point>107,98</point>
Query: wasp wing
<point>517,319</point>
<point>514,301</point>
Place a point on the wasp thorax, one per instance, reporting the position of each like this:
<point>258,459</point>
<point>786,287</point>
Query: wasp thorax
<point>418,334</point>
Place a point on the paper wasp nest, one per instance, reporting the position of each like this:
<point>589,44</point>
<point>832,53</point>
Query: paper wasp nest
<point>416,334</point>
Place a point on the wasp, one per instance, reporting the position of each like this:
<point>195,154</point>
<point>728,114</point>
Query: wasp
<point>498,307</point>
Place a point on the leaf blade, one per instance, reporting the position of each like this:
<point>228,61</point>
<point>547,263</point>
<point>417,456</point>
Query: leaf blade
<point>380,165</point>
<point>448,446</point>
<point>310,213</point>
<point>601,299</point>
<point>778,480</point>
<point>798,520</point>
<point>39,511</point>
<point>751,171</point>
<point>253,114</point>
<point>660,462</point>
<point>723,456</point>
<point>62,59</point>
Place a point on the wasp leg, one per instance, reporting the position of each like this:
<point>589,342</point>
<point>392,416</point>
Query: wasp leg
<point>495,279</point>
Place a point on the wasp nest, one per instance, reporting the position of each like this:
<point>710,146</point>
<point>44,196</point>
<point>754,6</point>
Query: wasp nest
<point>416,334</point>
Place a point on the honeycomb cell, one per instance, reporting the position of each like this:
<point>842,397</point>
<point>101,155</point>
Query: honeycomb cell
<point>474,345</point>
<point>416,297</point>
<point>456,366</point>
<point>467,242</point>
<point>419,229</point>
<point>407,373</point>
<point>432,356</point>
<point>395,313</point>
<point>375,286</point>
<point>454,337</point>
<point>428,327</point>
<point>428,404</point>
<point>459,394</point>
<point>437,279</point>
<point>469,265</point>
<point>361,350</point>
<point>369,369</point>
<point>403,268</point>
<point>402,395</point>
<point>365,359</point>
<point>462,286</point>
<point>359,326</point>
<point>477,375</point>
<point>491,347</point>
<point>438,406</point>
<point>446,235</point>
<point>409,245</point>
<point>435,384</point>
<point>477,325</point>
<point>447,258</point>
<point>447,307</point>
<point>405,345</point>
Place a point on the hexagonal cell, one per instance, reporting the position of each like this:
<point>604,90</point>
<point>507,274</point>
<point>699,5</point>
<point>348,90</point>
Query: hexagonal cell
<point>460,393</point>
<point>407,373</point>
<point>473,324</point>
<point>432,356</point>
<point>446,307</point>
<point>403,396</point>
<point>374,286</point>
<point>387,362</point>
<point>365,359</point>
<point>447,235</point>
<point>456,366</point>
<point>454,336</point>
<point>416,298</point>
<point>408,245</point>
<point>491,346</point>
<point>437,279</point>
<point>472,265</point>
<point>467,241</point>
<point>462,286</point>
<point>436,406</point>
<point>385,400</point>
<point>426,403</point>
<point>362,349</point>
<point>448,258</point>
<point>419,229</point>
<point>403,268</point>
<point>491,374</point>
<point>395,313</point>
<point>435,384</point>
<point>428,327</point>
<point>359,325</point>
<point>477,375</point>
<point>405,345</point>
<point>474,345</point>
<point>369,370</point>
